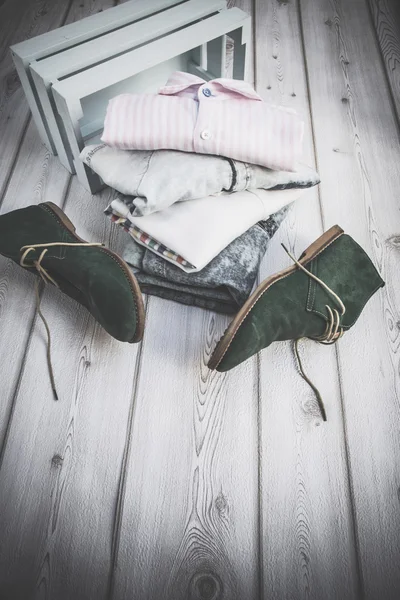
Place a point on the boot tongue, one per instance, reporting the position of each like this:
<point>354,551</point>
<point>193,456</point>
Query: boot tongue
<point>349,272</point>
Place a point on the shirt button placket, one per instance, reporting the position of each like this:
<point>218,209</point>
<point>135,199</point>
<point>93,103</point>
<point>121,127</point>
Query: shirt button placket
<point>201,133</point>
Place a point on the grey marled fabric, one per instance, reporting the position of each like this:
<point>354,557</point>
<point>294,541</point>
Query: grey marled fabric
<point>222,286</point>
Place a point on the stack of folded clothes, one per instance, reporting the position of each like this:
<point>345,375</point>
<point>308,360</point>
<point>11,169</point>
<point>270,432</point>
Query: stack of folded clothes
<point>205,174</point>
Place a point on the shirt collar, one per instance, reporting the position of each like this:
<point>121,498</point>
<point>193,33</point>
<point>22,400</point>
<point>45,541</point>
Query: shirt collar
<point>180,81</point>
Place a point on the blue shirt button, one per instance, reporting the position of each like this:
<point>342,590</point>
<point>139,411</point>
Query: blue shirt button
<point>207,92</point>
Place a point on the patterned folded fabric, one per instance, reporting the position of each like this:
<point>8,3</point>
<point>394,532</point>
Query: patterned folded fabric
<point>142,237</point>
<point>157,179</point>
<point>191,234</point>
<point>225,117</point>
<point>222,286</point>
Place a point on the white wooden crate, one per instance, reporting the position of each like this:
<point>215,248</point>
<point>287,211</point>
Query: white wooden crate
<point>70,74</point>
<point>54,42</point>
<point>81,99</point>
<point>46,71</point>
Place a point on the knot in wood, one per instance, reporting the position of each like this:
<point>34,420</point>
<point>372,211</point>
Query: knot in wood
<point>394,240</point>
<point>57,460</point>
<point>221,504</point>
<point>12,82</point>
<point>205,586</point>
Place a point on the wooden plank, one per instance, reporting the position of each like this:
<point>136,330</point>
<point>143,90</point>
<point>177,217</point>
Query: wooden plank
<point>137,60</point>
<point>57,489</point>
<point>307,553</point>
<point>36,178</point>
<point>133,35</point>
<point>190,495</point>
<point>248,7</point>
<point>62,464</point>
<point>90,27</point>
<point>19,20</point>
<point>386,17</point>
<point>358,155</point>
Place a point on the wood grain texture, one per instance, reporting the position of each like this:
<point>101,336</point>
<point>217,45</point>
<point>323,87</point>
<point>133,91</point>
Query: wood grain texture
<point>189,521</point>
<point>61,468</point>
<point>76,553</point>
<point>307,543</point>
<point>38,177</point>
<point>58,490</point>
<point>142,482</point>
<point>358,155</point>
<point>19,20</point>
<point>386,18</point>
<point>248,7</point>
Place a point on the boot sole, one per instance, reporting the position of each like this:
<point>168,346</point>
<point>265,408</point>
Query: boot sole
<point>137,294</point>
<point>312,252</point>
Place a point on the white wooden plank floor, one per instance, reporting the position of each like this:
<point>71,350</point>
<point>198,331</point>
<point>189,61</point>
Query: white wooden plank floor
<point>154,478</point>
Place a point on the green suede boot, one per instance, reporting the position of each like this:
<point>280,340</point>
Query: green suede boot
<point>320,297</point>
<point>42,239</point>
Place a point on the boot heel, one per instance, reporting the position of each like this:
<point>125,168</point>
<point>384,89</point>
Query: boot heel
<point>61,215</point>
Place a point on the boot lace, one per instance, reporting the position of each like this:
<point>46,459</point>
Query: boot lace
<point>333,331</point>
<point>47,278</point>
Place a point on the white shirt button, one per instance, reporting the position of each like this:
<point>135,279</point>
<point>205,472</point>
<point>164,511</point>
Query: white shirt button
<point>205,135</point>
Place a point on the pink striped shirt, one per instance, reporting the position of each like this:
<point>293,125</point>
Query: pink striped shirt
<point>223,116</point>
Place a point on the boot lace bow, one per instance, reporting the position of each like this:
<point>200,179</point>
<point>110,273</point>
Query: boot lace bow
<point>47,278</point>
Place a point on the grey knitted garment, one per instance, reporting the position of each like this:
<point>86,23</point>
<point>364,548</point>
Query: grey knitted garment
<point>222,286</point>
